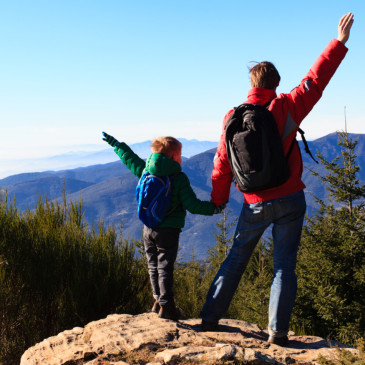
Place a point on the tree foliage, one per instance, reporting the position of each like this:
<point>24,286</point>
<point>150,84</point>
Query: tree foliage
<point>331,262</point>
<point>56,274</point>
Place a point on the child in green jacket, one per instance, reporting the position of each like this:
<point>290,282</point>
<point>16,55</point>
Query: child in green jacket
<point>161,243</point>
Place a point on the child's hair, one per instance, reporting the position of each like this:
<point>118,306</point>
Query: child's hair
<point>265,75</point>
<point>167,146</point>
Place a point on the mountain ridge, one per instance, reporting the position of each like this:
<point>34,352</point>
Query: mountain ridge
<point>75,159</point>
<point>108,192</point>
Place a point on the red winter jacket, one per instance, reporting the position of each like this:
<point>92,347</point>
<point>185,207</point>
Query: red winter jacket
<point>289,110</point>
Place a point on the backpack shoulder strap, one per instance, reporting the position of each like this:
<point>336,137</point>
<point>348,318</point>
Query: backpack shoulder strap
<point>306,145</point>
<point>307,150</point>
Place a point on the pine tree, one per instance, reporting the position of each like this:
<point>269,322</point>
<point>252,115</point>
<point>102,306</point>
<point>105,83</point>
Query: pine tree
<point>331,261</point>
<point>224,239</point>
<point>341,181</point>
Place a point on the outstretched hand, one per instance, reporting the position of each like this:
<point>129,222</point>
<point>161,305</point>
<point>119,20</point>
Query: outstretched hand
<point>110,139</point>
<point>344,27</point>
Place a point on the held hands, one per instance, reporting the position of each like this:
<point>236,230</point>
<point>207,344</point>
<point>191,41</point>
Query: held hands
<point>219,208</point>
<point>110,139</point>
<point>344,27</point>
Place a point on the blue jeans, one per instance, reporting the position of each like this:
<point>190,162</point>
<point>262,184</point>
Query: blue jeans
<point>286,214</point>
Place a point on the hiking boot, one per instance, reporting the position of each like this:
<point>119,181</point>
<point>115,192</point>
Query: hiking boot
<point>280,341</point>
<point>156,307</point>
<point>209,326</point>
<point>169,311</point>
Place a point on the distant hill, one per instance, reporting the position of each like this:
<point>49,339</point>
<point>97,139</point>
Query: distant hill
<point>75,159</point>
<point>108,192</point>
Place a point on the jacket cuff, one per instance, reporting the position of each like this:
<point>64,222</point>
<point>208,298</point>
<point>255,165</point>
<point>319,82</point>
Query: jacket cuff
<point>336,47</point>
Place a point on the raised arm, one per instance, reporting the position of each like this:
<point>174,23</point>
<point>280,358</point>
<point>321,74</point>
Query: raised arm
<point>303,97</point>
<point>128,157</point>
<point>344,27</point>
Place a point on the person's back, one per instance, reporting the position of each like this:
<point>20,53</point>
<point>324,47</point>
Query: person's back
<point>283,206</point>
<point>289,110</point>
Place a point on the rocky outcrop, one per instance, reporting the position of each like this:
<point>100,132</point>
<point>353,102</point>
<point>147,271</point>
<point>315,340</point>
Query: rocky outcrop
<point>147,339</point>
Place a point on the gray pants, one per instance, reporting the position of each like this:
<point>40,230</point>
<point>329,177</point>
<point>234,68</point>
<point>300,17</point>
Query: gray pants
<point>161,245</point>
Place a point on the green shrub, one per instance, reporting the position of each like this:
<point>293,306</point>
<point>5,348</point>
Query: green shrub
<point>56,274</point>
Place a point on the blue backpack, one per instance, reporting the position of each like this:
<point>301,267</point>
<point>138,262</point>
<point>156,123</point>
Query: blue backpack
<point>153,195</point>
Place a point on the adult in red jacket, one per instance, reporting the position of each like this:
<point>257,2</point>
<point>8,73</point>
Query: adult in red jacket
<point>283,206</point>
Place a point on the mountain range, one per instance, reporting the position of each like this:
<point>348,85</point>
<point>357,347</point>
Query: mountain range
<point>87,155</point>
<point>107,191</point>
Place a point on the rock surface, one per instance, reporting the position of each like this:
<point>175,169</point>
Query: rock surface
<point>147,339</point>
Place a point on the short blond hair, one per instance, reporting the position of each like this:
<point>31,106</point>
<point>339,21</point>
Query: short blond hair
<point>167,146</point>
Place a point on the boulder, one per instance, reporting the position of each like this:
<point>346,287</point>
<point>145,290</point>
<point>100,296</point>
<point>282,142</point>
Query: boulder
<point>148,339</point>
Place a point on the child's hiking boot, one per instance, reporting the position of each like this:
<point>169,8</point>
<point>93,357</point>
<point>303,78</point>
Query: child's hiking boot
<point>280,341</point>
<point>169,311</point>
<point>156,307</point>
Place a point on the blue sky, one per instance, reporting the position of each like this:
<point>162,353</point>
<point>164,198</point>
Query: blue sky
<point>139,69</point>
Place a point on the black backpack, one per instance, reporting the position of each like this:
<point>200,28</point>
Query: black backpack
<point>254,149</point>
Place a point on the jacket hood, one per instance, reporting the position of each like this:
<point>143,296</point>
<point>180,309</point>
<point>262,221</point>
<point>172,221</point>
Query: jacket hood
<point>161,165</point>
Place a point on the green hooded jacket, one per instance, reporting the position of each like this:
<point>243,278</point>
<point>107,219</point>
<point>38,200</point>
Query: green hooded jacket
<point>182,196</point>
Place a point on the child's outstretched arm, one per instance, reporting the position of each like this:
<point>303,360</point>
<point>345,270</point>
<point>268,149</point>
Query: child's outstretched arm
<point>189,200</point>
<point>128,157</point>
